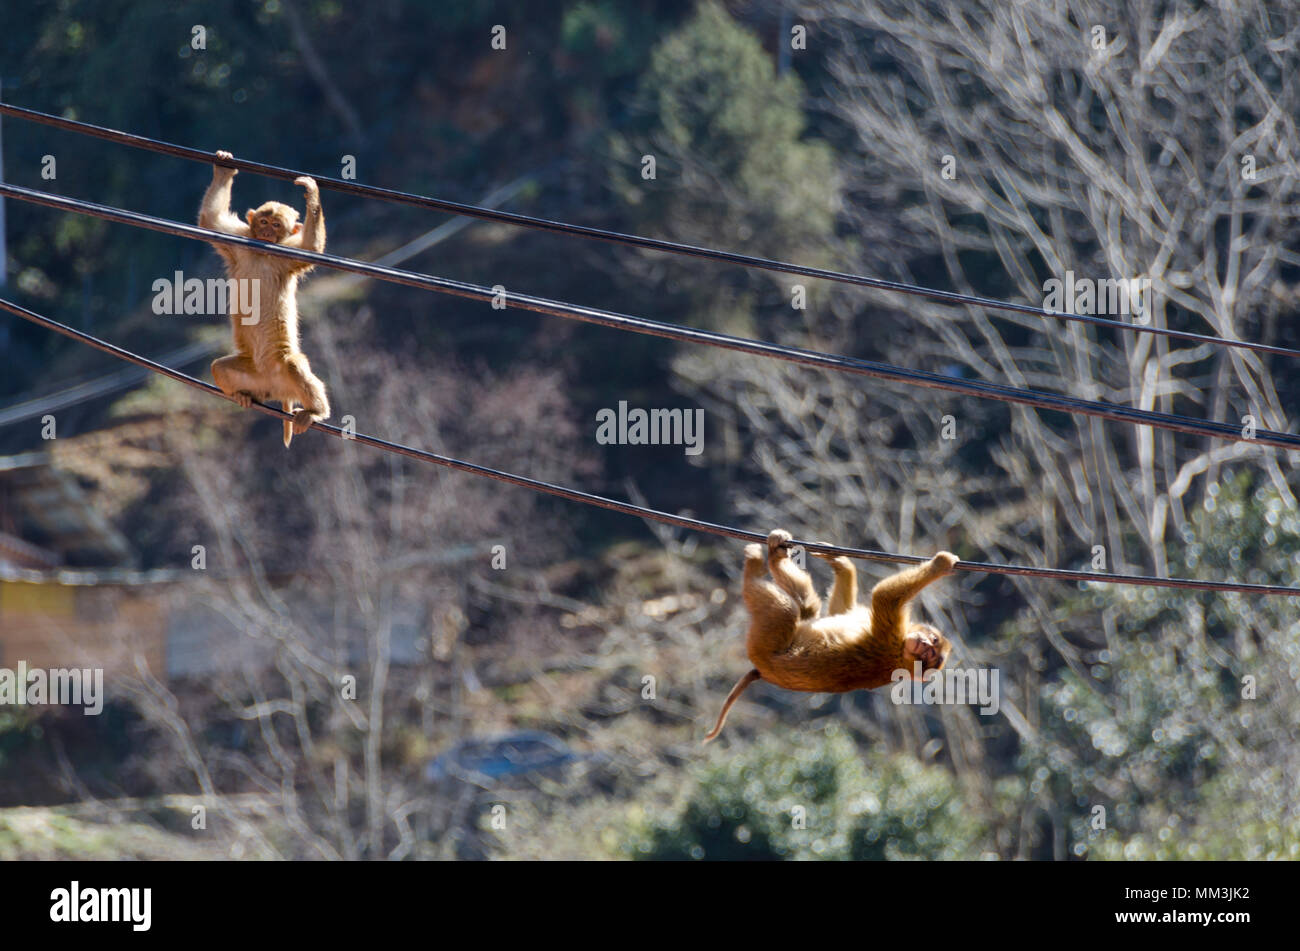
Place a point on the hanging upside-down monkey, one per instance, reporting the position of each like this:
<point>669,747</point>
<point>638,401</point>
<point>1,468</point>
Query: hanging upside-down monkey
<point>267,364</point>
<point>853,647</point>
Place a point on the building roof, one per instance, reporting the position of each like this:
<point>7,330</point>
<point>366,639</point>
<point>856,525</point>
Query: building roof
<point>51,515</point>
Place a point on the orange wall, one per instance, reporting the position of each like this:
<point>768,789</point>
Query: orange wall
<point>54,625</point>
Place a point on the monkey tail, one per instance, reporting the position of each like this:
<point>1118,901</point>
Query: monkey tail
<point>288,407</point>
<point>736,691</point>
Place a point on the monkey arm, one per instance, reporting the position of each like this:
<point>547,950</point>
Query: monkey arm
<point>889,598</point>
<point>312,235</point>
<point>844,590</point>
<point>215,212</point>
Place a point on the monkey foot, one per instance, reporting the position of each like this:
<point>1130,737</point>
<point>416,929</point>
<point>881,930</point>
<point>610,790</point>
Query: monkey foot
<point>839,562</point>
<point>302,420</point>
<point>243,398</point>
<point>943,562</point>
<point>776,538</point>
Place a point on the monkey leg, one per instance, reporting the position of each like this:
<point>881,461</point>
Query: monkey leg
<point>792,579</point>
<point>774,615</point>
<point>844,590</point>
<point>890,597</point>
<point>237,377</point>
<point>299,384</point>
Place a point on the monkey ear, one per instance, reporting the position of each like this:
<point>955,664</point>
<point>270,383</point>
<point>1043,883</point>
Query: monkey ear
<point>296,228</point>
<point>249,215</point>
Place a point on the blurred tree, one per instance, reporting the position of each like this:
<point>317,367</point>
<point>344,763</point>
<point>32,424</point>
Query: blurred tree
<point>813,797</point>
<point>1029,153</point>
<point>1159,729</point>
<point>732,166</point>
<point>353,563</point>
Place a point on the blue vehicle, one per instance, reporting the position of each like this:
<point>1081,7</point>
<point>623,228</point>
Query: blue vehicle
<point>481,761</point>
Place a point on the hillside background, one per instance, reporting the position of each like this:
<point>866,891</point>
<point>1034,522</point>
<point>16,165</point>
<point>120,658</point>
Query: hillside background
<point>506,712</point>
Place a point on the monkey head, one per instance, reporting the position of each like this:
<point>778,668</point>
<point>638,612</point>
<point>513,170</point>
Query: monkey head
<point>926,645</point>
<point>273,222</point>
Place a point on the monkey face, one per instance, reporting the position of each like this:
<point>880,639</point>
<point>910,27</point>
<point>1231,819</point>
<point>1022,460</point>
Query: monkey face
<point>273,222</point>
<point>925,644</point>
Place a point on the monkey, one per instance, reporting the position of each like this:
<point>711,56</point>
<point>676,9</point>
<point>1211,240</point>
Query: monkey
<point>267,364</point>
<point>853,647</point>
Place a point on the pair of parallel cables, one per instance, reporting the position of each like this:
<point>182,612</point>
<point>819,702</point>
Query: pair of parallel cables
<point>641,325</point>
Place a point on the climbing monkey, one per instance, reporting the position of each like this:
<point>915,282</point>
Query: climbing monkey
<point>267,364</point>
<point>853,647</point>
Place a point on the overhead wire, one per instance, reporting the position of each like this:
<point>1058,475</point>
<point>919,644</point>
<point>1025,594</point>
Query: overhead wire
<point>642,325</point>
<point>100,386</point>
<point>600,234</point>
<point>641,511</point>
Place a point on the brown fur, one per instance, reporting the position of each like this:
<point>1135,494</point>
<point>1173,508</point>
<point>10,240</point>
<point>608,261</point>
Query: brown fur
<point>853,647</point>
<point>267,364</point>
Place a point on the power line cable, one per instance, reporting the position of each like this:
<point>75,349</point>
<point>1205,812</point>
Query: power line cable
<point>99,387</point>
<point>640,511</point>
<point>592,315</point>
<point>616,237</point>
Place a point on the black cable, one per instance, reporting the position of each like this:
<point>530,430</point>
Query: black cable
<point>591,315</point>
<point>680,521</point>
<point>600,234</point>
